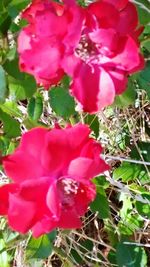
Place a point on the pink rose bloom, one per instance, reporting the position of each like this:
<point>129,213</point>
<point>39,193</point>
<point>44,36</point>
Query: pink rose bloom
<point>52,28</point>
<point>108,51</point>
<point>97,46</point>
<point>51,172</point>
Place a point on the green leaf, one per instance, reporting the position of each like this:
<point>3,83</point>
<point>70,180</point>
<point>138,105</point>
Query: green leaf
<point>85,247</point>
<point>21,89</point>
<point>12,68</point>
<point>128,97</point>
<point>111,230</point>
<point>35,107</point>
<point>145,73</point>
<point>11,53</point>
<point>9,236</point>
<point>41,247</point>
<point>130,172</point>
<point>2,85</point>
<point>4,3</point>
<point>146,44</point>
<point>122,139</point>
<point>4,259</point>
<point>11,127</point>
<point>11,108</point>
<point>76,256</point>
<point>143,79</point>
<point>143,13</point>
<point>61,102</point>
<point>129,255</point>
<point>4,144</point>
<point>143,208</point>
<point>93,122</point>
<point>5,21</point>
<point>100,181</point>
<point>112,257</point>
<point>16,6</point>
<point>144,148</point>
<point>100,204</point>
<point>126,207</point>
<point>29,123</point>
<point>65,82</point>
<point>128,222</point>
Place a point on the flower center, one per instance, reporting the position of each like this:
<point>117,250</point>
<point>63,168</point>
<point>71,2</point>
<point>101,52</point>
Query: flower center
<point>95,52</point>
<point>68,188</point>
<point>86,48</point>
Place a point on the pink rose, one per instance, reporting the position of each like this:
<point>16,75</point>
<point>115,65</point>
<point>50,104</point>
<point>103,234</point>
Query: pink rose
<point>108,51</point>
<point>51,172</point>
<point>97,46</point>
<point>42,43</point>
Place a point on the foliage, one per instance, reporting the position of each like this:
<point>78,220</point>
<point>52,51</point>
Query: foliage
<point>115,229</point>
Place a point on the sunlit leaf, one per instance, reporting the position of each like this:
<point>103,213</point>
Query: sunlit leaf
<point>61,102</point>
<point>100,204</point>
<point>40,248</point>
<point>129,255</point>
<point>143,208</point>
<point>11,127</point>
<point>4,259</point>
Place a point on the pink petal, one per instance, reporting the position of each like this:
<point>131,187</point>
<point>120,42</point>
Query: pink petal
<point>24,41</point>
<point>70,63</point>
<point>25,162</point>
<point>129,57</point>
<point>128,20</point>
<point>106,38</point>
<point>48,24</point>
<point>61,146</point>
<point>120,80</point>
<point>53,201</point>
<point>106,14</point>
<point>44,61</point>
<point>86,168</point>
<point>40,187</point>
<point>120,4</point>
<point>21,214</point>
<point>91,149</point>
<point>75,23</point>
<point>69,219</point>
<point>80,167</point>
<point>93,93</point>
<point>86,90</point>
<point>5,190</point>
<point>33,141</point>
<point>107,90</point>
<point>56,153</point>
<point>86,194</point>
<point>45,226</point>
<point>77,135</point>
<point>21,166</point>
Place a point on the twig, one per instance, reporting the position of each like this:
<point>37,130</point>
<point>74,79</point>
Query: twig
<point>127,160</point>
